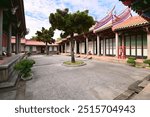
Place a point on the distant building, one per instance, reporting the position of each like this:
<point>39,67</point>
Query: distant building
<point>34,47</point>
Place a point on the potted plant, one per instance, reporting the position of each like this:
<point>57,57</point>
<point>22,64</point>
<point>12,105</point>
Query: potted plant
<point>24,68</point>
<point>131,61</point>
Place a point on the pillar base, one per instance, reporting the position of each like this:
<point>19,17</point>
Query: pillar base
<point>9,54</point>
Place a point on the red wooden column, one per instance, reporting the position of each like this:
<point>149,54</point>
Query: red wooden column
<point>123,48</point>
<point>1,30</point>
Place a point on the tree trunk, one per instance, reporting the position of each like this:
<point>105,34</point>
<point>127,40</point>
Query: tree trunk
<point>72,49</point>
<point>47,49</point>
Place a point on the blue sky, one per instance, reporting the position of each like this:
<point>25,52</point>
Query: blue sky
<point>37,11</point>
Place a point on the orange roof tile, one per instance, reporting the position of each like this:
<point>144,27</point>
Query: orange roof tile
<point>33,42</point>
<point>135,21</point>
<point>38,43</point>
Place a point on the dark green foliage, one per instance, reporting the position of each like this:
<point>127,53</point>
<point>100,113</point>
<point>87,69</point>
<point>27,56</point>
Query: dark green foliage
<point>45,36</point>
<point>131,62</point>
<point>138,5</point>
<point>133,58</point>
<point>147,61</point>
<point>24,67</point>
<point>71,23</point>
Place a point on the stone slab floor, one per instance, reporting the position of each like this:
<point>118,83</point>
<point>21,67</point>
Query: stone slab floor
<point>96,80</point>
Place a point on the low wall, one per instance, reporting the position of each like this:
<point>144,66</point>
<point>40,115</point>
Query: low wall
<point>7,69</point>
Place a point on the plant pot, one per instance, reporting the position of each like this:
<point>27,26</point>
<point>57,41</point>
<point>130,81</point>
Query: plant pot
<point>27,78</point>
<point>130,64</point>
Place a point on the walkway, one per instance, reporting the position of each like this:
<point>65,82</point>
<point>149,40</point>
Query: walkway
<point>96,80</point>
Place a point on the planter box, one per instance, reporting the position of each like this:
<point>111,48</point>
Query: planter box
<point>27,78</point>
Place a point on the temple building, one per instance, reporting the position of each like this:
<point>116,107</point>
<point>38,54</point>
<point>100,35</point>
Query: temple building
<point>120,36</point>
<point>12,23</point>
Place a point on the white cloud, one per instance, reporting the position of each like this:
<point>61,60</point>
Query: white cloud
<point>37,11</point>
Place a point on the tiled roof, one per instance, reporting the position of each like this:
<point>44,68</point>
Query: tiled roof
<point>106,26</point>
<point>38,43</point>
<point>23,41</point>
<point>32,42</point>
<point>135,21</point>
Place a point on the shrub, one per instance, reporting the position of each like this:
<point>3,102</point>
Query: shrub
<point>131,62</point>
<point>24,67</point>
<point>147,61</point>
<point>133,58</point>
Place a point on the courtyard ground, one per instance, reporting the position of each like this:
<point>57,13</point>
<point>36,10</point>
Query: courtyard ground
<point>96,80</point>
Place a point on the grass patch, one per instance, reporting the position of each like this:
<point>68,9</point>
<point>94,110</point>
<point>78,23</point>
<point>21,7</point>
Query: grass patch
<point>76,63</point>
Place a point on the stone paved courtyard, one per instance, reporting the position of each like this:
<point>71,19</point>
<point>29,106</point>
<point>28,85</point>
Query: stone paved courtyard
<point>96,80</point>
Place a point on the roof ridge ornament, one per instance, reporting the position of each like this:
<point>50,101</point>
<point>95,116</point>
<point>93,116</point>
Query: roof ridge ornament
<point>104,20</point>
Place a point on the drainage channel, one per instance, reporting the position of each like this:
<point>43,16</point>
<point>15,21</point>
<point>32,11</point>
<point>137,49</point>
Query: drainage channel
<point>134,89</point>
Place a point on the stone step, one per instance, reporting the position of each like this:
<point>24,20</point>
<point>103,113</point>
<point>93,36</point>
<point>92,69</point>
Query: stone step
<point>135,87</point>
<point>144,83</point>
<point>8,95</point>
<point>126,95</point>
<point>144,94</point>
<point>10,83</point>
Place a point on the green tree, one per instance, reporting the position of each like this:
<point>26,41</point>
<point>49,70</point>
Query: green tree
<point>33,38</point>
<point>45,35</point>
<point>71,23</point>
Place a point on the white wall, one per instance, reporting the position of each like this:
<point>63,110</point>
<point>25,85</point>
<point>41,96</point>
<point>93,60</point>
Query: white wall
<point>83,47</point>
<point>33,48</point>
<point>50,48</point>
<point>90,46</point>
<point>94,47</point>
<point>27,48</point>
<point>55,49</point>
<point>68,48</point>
<point>22,47</point>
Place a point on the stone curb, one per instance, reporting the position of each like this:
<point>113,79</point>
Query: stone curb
<point>74,65</point>
<point>134,89</point>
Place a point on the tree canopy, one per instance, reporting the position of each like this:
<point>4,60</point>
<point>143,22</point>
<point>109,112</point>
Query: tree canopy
<point>71,23</point>
<point>45,35</point>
